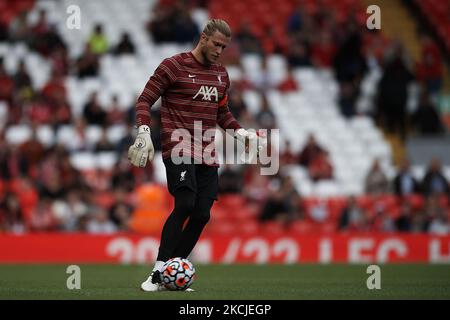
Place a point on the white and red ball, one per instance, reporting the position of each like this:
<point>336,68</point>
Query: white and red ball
<point>177,274</point>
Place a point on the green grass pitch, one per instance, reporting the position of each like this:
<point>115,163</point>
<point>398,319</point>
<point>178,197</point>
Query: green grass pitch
<point>230,282</point>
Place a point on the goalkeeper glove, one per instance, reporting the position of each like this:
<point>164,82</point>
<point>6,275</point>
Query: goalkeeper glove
<point>253,142</point>
<point>142,149</point>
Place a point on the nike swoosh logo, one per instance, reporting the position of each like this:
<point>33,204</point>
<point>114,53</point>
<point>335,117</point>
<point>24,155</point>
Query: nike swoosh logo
<point>191,76</point>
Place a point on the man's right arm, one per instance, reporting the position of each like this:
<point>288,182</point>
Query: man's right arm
<point>142,150</point>
<point>158,83</point>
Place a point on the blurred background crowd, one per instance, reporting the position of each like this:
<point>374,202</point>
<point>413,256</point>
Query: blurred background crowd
<point>63,161</point>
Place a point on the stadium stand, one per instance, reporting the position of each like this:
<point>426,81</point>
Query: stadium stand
<point>85,165</point>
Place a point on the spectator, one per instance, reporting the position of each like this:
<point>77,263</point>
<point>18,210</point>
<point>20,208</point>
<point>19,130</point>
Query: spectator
<point>33,151</point>
<point>19,30</point>
<point>187,31</point>
<point>288,156</point>
<point>160,28</point>
<point>382,221</point>
<point>42,216</point>
<point>298,55</point>
<point>22,79</point>
<point>115,114</point>
<point>248,42</point>
<point>320,167</point>
<point>70,210</point>
<point>6,84</point>
<point>425,119</point>
<point>323,50</point>
<point>100,223</point>
<point>12,217</point>
<point>353,217</point>
<point>434,181</point>
<point>376,180</point>
<point>403,222</point>
<point>319,212</point>
<point>283,202</point>
<point>429,69</point>
<point>310,151</point>
<point>93,112</point>
<point>120,211</point>
<point>265,117</point>
<point>98,42</point>
<point>104,145</point>
<point>125,45</point>
<point>393,93</point>
<point>87,65</point>
<point>289,83</point>
<point>122,176</point>
<point>230,180</point>
<point>404,182</point>
<point>347,99</point>
<point>79,140</point>
<point>439,225</point>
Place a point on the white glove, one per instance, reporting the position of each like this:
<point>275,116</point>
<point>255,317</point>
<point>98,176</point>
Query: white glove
<point>255,144</point>
<point>142,149</point>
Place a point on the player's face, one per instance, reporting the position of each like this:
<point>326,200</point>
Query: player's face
<point>213,46</point>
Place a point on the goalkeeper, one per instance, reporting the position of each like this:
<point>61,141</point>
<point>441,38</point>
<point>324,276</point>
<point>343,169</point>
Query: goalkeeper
<point>192,87</point>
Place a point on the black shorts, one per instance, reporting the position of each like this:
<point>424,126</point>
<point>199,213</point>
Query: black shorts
<point>200,178</point>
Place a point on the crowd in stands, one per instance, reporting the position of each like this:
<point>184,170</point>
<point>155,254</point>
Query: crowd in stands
<point>41,190</point>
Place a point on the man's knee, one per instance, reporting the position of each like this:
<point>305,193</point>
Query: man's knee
<point>185,201</point>
<point>202,210</point>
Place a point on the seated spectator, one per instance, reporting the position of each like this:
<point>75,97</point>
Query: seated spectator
<point>309,151</point>
<point>236,103</point>
<point>404,182</point>
<point>376,180</point>
<point>288,156</point>
<point>320,167</point>
<point>248,42</point>
<point>99,222</point>
<point>403,222</point>
<point>122,175</point>
<point>319,212</point>
<point>93,112</point>
<point>19,30</point>
<point>12,217</point>
<point>434,181</point>
<point>42,216</point>
<point>104,145</point>
<point>230,180</point>
<point>436,216</point>
<point>382,221</point>
<point>347,99</point>
<point>121,210</point>
<point>6,84</point>
<point>69,210</point>
<point>33,150</point>
<point>187,31</point>
<point>79,141</point>
<point>265,117</point>
<point>289,83</point>
<point>115,114</point>
<point>98,42</point>
<point>426,119</point>
<point>125,45</point>
<point>160,27</point>
<point>298,55</point>
<point>87,64</point>
<point>283,202</point>
<point>429,69</point>
<point>22,79</point>
<point>323,51</point>
<point>353,217</point>
<point>439,225</point>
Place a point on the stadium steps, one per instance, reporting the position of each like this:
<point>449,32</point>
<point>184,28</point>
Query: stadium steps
<point>397,23</point>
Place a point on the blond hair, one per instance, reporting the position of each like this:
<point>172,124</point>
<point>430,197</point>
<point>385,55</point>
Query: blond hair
<point>214,25</point>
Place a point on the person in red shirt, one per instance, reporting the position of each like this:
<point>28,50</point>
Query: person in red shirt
<point>193,88</point>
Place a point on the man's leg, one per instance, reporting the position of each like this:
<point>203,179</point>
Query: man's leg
<point>171,235</point>
<point>172,230</point>
<point>197,221</point>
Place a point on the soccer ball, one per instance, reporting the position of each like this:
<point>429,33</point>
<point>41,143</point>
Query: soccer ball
<point>177,274</point>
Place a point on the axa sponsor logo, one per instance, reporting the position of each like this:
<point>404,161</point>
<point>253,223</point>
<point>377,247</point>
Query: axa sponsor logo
<point>207,93</point>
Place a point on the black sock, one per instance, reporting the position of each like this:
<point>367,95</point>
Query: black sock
<point>197,221</point>
<point>172,230</point>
